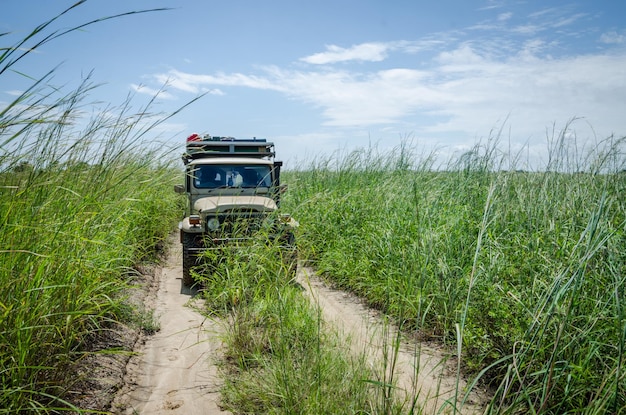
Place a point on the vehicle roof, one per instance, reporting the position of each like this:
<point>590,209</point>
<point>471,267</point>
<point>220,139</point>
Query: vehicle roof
<point>232,160</point>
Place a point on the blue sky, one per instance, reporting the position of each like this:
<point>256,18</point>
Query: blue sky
<point>317,77</point>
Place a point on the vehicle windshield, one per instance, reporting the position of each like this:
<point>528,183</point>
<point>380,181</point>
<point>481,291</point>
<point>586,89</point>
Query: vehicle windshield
<point>212,176</point>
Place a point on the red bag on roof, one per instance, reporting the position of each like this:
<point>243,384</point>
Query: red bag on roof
<point>194,137</point>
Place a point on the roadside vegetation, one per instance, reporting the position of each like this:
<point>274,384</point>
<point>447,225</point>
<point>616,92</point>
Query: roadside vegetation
<point>81,203</point>
<point>280,358</point>
<point>522,274</point>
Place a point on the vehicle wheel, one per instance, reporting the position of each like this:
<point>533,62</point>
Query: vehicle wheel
<point>290,256</point>
<point>293,267</point>
<point>189,261</point>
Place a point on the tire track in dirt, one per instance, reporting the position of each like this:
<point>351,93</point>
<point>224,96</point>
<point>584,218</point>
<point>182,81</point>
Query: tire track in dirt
<point>174,372</point>
<point>420,370</point>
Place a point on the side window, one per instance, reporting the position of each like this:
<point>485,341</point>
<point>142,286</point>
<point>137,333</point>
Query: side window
<point>196,176</point>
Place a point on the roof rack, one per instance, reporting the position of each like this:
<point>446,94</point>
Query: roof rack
<point>199,147</point>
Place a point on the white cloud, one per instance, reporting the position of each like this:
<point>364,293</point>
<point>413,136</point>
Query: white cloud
<point>612,38</point>
<point>374,51</point>
<point>503,17</point>
<point>367,52</point>
<point>535,93</point>
<point>462,89</point>
<point>142,89</point>
<point>213,91</point>
<point>566,21</point>
<point>527,29</point>
<point>195,83</point>
<point>455,94</point>
<point>532,47</point>
<point>544,12</point>
<point>493,4</point>
<point>548,19</point>
<point>460,59</point>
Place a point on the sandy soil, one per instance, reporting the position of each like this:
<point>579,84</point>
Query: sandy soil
<point>174,372</point>
<point>421,370</point>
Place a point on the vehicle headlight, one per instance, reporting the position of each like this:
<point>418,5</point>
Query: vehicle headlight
<point>213,224</point>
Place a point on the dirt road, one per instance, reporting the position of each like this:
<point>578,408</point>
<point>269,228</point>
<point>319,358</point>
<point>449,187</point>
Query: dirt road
<point>420,370</point>
<point>174,370</point>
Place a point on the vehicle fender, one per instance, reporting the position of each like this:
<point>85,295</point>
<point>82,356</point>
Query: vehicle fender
<point>185,226</point>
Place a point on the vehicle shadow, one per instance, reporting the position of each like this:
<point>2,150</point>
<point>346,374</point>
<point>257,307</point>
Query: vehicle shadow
<point>191,291</point>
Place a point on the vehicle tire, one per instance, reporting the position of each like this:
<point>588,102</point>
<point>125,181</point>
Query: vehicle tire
<point>189,261</point>
<point>290,255</point>
<point>293,267</point>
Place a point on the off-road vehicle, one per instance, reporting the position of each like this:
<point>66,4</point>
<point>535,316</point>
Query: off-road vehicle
<point>233,188</point>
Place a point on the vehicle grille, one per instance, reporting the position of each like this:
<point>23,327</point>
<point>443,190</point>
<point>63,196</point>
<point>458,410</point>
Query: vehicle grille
<point>239,223</point>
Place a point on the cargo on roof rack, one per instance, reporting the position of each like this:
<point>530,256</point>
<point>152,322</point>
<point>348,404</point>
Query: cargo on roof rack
<point>199,147</point>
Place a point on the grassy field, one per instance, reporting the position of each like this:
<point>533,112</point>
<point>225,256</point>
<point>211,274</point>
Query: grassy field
<point>279,358</point>
<point>81,203</point>
<point>523,272</point>
<point>74,222</point>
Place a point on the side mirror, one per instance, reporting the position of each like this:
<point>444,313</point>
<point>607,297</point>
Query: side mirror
<point>179,188</point>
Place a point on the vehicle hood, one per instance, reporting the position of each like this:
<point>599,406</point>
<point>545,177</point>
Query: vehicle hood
<point>217,204</point>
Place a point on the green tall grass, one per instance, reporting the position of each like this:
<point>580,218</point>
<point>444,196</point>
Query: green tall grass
<point>72,229</point>
<point>81,202</point>
<point>524,272</point>
<point>280,357</point>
